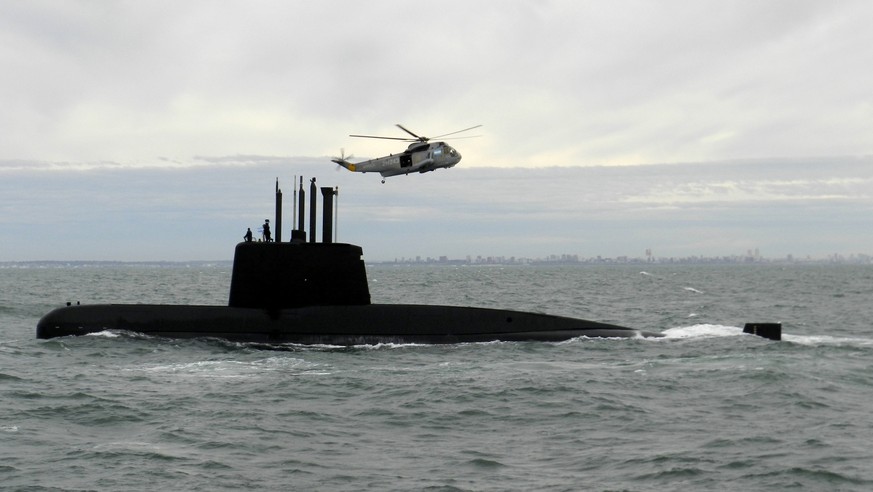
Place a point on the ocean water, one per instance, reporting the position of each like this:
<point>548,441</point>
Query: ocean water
<point>705,408</point>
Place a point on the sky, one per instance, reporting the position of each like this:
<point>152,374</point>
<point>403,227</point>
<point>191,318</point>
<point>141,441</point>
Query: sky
<point>156,130</point>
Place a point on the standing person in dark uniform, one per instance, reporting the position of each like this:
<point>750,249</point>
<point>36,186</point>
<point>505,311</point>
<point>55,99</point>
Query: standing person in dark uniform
<point>267,236</point>
<point>248,236</point>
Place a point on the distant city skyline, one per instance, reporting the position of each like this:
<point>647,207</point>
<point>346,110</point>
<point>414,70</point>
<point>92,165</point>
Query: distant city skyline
<point>550,260</point>
<point>568,258</point>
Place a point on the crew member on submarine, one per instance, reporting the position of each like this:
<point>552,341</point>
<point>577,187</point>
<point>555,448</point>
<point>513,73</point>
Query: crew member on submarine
<point>267,237</point>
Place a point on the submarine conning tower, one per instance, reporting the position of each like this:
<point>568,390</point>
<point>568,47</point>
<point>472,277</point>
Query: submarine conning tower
<point>289,275</point>
<point>277,275</point>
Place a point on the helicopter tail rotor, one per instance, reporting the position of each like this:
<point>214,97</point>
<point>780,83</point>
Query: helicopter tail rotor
<point>343,161</point>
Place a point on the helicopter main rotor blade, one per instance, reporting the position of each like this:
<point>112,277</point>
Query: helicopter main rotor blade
<point>460,138</point>
<point>420,139</point>
<point>459,131</point>
<point>385,138</point>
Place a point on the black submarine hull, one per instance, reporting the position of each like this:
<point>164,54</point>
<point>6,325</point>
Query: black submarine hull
<point>317,293</point>
<point>328,325</point>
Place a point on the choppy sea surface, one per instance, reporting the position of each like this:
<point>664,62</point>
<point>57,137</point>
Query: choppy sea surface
<point>705,408</point>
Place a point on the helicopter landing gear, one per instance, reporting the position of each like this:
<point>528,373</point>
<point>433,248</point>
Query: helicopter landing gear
<point>383,181</point>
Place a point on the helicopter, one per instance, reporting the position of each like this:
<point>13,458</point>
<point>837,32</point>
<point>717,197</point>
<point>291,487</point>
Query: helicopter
<point>420,157</point>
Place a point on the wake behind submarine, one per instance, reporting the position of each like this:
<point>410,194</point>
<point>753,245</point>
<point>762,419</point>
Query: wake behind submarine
<point>308,292</point>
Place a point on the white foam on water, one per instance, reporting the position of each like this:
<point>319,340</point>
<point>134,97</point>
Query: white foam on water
<point>233,369</point>
<point>703,331</point>
<point>825,340</point>
<point>104,334</point>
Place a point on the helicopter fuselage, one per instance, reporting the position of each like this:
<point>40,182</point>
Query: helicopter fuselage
<point>419,157</point>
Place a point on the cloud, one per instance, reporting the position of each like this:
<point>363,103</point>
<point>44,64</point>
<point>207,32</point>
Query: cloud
<point>154,128</point>
<point>554,83</point>
<point>815,206</point>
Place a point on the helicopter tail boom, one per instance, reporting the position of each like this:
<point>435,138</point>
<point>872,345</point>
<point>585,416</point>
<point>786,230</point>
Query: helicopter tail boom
<point>344,163</point>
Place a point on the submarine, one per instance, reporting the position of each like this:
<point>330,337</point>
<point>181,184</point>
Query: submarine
<point>316,293</point>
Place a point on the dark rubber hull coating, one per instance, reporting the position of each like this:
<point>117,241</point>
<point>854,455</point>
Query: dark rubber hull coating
<point>329,325</point>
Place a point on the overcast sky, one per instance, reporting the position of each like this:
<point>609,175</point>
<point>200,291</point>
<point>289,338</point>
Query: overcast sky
<point>156,130</point>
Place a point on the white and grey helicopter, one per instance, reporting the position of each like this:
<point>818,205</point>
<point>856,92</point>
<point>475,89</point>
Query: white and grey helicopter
<point>420,157</point>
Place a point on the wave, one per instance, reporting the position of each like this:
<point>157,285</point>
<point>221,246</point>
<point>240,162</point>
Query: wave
<point>713,331</point>
<point>828,341</point>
